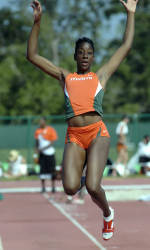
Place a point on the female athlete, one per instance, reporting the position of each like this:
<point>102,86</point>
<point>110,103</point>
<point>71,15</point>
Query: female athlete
<point>87,135</point>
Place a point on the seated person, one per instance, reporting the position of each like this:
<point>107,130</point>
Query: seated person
<point>18,165</point>
<point>142,156</point>
<point>1,172</point>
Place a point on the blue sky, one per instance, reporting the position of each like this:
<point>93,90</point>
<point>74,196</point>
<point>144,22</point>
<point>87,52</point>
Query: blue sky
<point>3,3</point>
<point>6,3</point>
<point>108,35</point>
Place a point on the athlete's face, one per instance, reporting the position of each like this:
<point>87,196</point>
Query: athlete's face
<point>84,57</point>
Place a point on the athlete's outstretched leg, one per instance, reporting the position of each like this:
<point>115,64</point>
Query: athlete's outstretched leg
<point>96,161</point>
<point>73,162</point>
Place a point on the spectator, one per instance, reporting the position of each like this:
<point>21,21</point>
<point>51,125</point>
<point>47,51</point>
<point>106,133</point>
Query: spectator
<point>1,172</point>
<point>18,165</point>
<point>122,158</point>
<point>142,156</point>
<point>45,136</point>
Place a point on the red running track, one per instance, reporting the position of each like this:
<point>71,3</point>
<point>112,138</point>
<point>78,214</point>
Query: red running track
<point>29,221</point>
<point>106,181</point>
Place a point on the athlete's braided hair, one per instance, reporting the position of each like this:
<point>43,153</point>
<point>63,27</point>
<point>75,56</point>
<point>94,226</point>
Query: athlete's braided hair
<point>83,40</point>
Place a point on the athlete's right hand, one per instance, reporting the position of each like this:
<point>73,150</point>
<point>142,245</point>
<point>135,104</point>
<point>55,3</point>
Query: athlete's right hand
<point>37,10</point>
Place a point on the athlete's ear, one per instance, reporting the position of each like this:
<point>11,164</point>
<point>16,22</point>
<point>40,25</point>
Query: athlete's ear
<point>93,58</point>
<point>75,57</point>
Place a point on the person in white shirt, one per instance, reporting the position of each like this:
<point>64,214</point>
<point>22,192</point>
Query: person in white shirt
<point>141,156</point>
<point>122,157</point>
<point>144,155</point>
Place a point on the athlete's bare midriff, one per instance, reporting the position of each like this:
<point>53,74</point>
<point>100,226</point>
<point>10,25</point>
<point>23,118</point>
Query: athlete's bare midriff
<point>84,119</point>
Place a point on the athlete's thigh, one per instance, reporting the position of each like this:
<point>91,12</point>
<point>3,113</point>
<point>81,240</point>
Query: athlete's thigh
<point>96,159</point>
<point>73,162</point>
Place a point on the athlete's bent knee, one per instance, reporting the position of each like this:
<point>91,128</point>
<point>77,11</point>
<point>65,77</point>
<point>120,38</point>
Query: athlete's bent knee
<point>94,189</point>
<point>71,190</point>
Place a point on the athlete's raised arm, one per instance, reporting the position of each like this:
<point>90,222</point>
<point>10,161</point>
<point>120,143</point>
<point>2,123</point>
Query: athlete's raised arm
<point>110,67</point>
<point>32,49</point>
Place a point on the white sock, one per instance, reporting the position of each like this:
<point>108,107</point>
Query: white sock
<point>110,217</point>
<point>69,197</point>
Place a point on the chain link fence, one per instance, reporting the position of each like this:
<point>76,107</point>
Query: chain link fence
<point>18,133</point>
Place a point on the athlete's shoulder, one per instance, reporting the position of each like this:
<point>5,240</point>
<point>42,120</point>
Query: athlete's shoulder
<point>76,75</point>
<point>96,79</point>
<point>70,75</point>
<point>63,75</point>
<point>94,74</point>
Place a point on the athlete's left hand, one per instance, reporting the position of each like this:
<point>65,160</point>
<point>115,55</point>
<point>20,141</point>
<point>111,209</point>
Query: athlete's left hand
<point>130,5</point>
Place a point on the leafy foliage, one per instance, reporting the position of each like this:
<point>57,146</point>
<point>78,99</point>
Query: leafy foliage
<point>129,88</point>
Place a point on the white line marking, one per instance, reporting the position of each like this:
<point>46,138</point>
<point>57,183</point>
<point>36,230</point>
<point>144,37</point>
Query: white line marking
<point>76,223</point>
<point>60,189</point>
<point>127,187</point>
<point>1,245</point>
<point>27,190</point>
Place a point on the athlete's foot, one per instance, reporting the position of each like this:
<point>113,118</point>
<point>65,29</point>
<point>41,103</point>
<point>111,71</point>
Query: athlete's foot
<point>108,228</point>
<point>78,201</point>
<point>69,199</point>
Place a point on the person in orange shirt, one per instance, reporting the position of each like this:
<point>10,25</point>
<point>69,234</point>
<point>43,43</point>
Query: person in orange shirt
<point>45,136</point>
<point>84,92</point>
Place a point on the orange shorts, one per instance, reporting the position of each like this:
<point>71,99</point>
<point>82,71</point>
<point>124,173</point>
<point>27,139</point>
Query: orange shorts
<point>121,146</point>
<point>83,136</point>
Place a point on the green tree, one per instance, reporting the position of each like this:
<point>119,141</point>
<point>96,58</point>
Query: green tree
<point>129,89</point>
<point>26,90</point>
<point>23,89</point>
<point>30,91</point>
